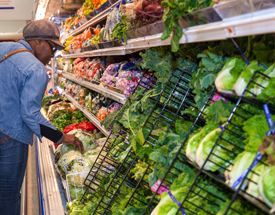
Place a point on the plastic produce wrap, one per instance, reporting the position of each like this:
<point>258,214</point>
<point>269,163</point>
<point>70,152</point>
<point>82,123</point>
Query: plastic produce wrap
<point>79,64</point>
<point>76,192</point>
<point>65,160</point>
<point>112,19</point>
<point>88,141</point>
<point>127,85</point>
<point>114,107</point>
<point>82,166</point>
<point>102,113</point>
<point>148,79</point>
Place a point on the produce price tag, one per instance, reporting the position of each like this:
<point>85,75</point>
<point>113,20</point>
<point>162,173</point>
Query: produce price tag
<point>65,167</point>
<point>255,162</point>
<point>164,188</point>
<point>80,160</point>
<point>218,97</point>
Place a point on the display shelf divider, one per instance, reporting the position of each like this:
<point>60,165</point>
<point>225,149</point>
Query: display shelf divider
<point>89,115</point>
<point>105,92</point>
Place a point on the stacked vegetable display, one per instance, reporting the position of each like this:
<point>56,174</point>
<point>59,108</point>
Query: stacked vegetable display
<point>213,64</point>
<point>73,165</point>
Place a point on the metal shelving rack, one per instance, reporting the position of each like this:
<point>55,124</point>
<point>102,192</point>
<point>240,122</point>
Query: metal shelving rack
<point>108,167</point>
<point>230,128</point>
<point>88,114</point>
<point>212,178</point>
<point>260,22</point>
<point>176,94</point>
<point>106,92</point>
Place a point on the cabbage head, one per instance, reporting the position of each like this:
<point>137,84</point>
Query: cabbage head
<point>267,186</point>
<point>229,74</point>
<point>88,142</point>
<point>220,151</point>
<point>240,164</point>
<point>245,76</point>
<point>263,81</point>
<point>194,141</point>
<point>253,188</point>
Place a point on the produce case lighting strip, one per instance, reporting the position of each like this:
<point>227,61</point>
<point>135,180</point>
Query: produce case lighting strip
<point>106,92</point>
<point>89,115</point>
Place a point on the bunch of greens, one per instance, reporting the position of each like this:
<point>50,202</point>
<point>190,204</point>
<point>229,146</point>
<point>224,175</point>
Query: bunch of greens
<point>203,80</point>
<point>173,11</point>
<point>254,133</point>
<point>238,206</point>
<point>120,29</point>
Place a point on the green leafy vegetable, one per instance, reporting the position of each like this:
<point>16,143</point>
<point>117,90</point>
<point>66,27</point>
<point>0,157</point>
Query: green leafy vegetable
<point>245,76</point>
<point>267,186</point>
<point>229,74</point>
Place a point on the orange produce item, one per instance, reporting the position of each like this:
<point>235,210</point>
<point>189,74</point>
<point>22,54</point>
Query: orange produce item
<point>97,31</point>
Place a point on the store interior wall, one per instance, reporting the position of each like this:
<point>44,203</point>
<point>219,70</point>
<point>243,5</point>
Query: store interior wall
<point>12,21</point>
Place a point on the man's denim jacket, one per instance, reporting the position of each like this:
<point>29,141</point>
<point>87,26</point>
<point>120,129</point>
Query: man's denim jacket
<point>23,81</point>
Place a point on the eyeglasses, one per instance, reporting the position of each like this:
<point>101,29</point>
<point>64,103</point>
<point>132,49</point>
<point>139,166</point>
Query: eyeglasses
<point>53,48</point>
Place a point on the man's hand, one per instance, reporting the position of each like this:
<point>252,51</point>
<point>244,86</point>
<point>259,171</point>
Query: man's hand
<point>70,139</point>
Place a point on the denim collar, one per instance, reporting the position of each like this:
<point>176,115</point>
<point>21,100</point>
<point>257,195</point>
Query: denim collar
<point>27,45</point>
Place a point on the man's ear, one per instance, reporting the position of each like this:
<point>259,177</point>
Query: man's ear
<point>38,42</point>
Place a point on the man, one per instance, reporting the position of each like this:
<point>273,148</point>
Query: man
<point>23,81</point>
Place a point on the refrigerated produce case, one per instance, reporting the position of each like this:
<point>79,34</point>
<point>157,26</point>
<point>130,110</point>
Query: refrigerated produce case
<point>147,155</point>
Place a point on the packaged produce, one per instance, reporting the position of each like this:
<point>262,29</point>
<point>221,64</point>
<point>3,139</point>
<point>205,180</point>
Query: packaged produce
<point>65,160</point>
<point>87,140</point>
<point>87,126</point>
<point>76,192</point>
<point>78,170</point>
<point>102,113</point>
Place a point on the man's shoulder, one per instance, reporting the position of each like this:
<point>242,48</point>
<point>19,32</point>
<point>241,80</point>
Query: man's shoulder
<point>25,62</point>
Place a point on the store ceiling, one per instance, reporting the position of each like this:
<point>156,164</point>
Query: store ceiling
<point>56,9</point>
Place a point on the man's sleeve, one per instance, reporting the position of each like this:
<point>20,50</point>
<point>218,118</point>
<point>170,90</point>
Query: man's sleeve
<point>31,99</point>
<point>55,136</point>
